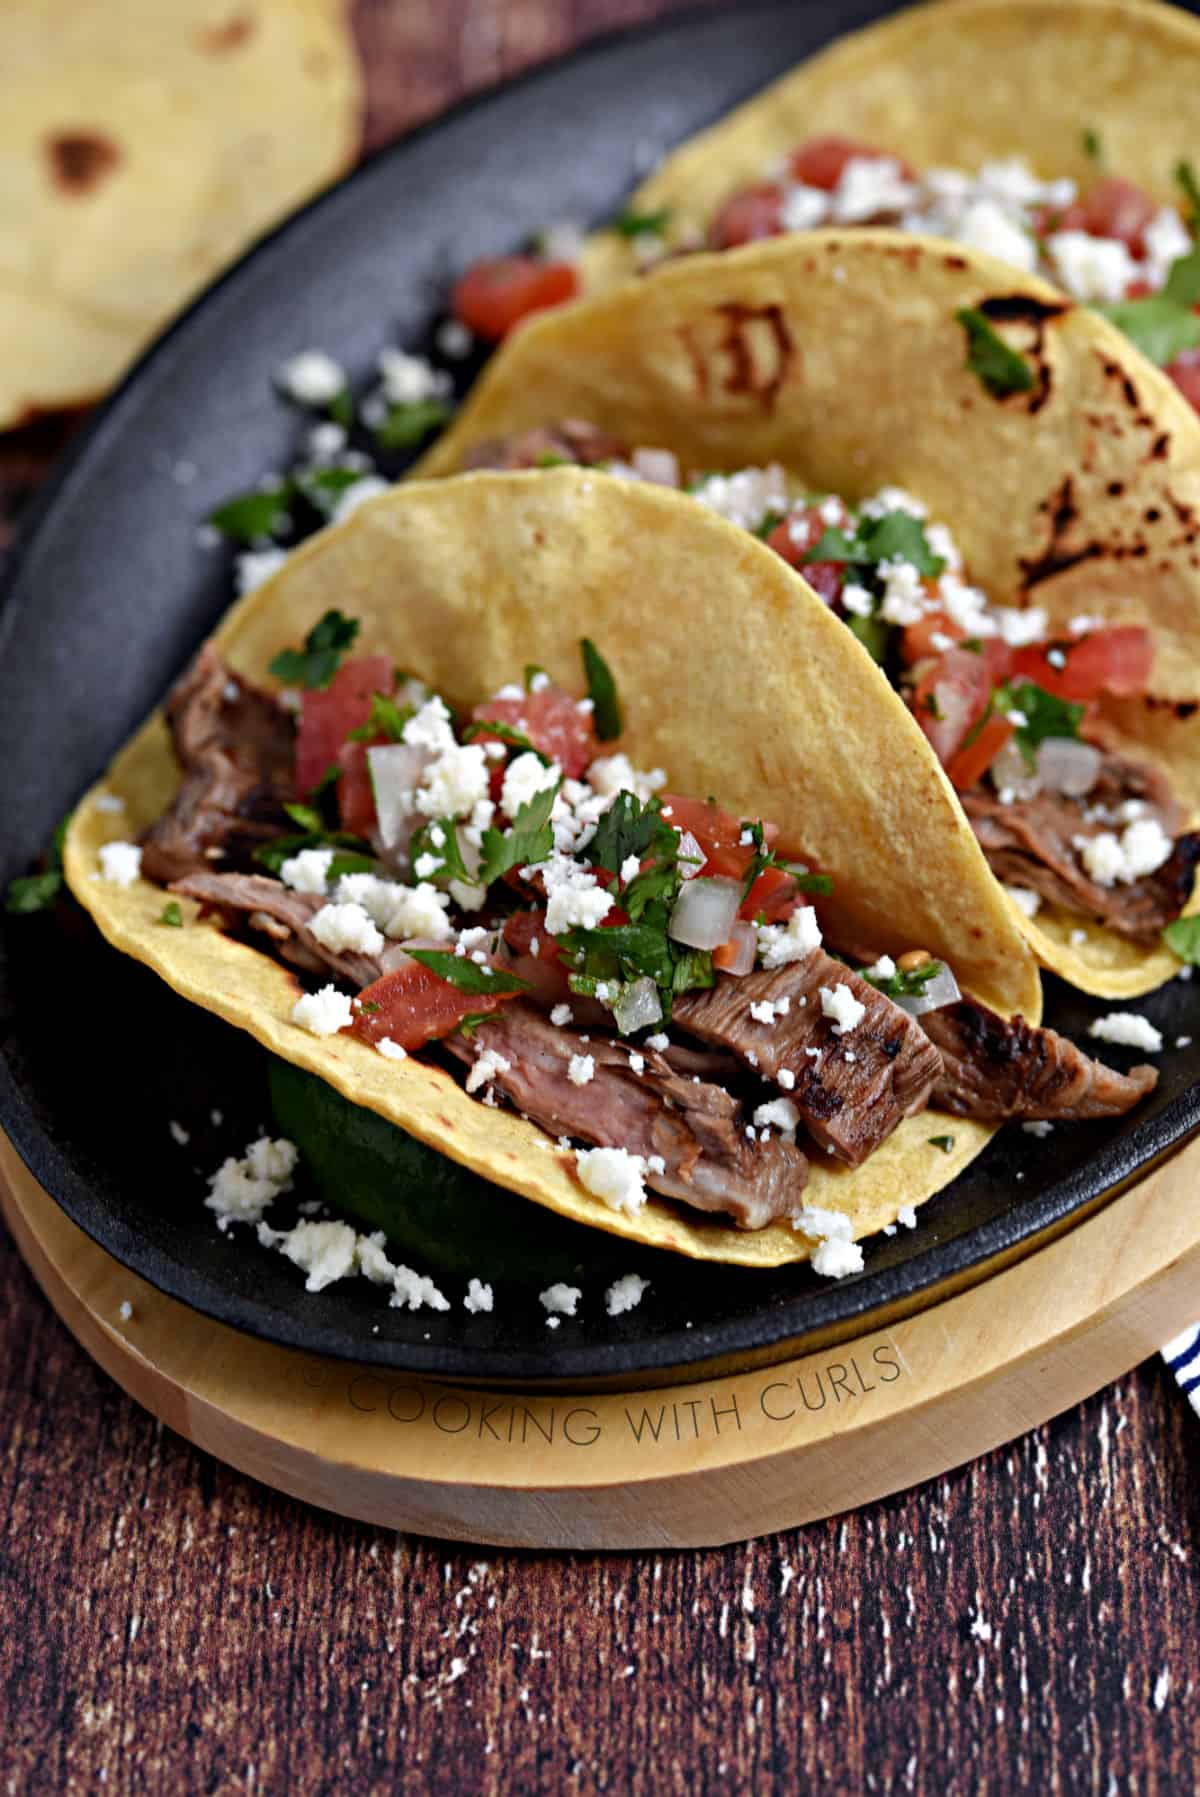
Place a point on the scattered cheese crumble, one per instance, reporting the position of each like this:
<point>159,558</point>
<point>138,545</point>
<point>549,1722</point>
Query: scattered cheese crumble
<point>839,1003</point>
<point>479,1296</point>
<point>613,1175</point>
<point>120,863</point>
<point>1128,1030</point>
<point>323,1013</point>
<point>561,1300</point>
<point>625,1294</point>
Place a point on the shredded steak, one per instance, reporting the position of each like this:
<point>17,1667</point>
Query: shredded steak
<point>1031,843</point>
<point>995,1069</point>
<point>698,1129</point>
<point>851,1090</point>
<point>570,440</point>
<point>274,910</point>
<point>234,743</point>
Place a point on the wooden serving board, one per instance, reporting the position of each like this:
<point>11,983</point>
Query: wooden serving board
<point>682,1466</point>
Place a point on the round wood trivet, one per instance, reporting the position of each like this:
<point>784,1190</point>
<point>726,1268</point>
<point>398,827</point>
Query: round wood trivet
<point>681,1466</point>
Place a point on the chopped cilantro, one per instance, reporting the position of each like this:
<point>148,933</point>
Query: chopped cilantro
<point>448,852</point>
<point>1185,174</point>
<point>693,970</point>
<point>945,1143</point>
<point>323,487</point>
<point>466,975</point>
<point>172,914</point>
<point>628,950</point>
<point>254,515</point>
<point>1044,713</point>
<point>404,426</point>
<point>906,982</point>
<point>352,855</point>
<point>1093,149</point>
<point>642,224</point>
<point>602,690</point>
<point>33,892</point>
<point>630,828</point>
<point>1183,939</point>
<point>532,670</point>
<point>1163,324</point>
<point>471,1022</point>
<point>1000,368</point>
<point>821,883</point>
<point>550,458</point>
<point>316,664</point>
<point>873,633</point>
<point>505,733</point>
<point>529,841</point>
<point>896,536</point>
<point>386,719</point>
<point>658,883</point>
<point>307,818</point>
<point>327,782</point>
<point>341,408</point>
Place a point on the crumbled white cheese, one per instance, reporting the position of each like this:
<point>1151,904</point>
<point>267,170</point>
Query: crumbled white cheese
<point>631,867</point>
<point>747,496</point>
<point>120,863</point>
<point>489,1064</point>
<point>780,1114</point>
<point>1027,901</point>
<point>839,1003</point>
<point>125,1312</point>
<point>786,1078</point>
<point>313,378</point>
<point>454,782</point>
<point>836,1253</point>
<point>479,1296</point>
<point>342,927</point>
<point>454,339</point>
<point>254,567</point>
<point>1141,849</point>
<point>108,801</point>
<point>1037,1126</point>
<point>391,1051</point>
<point>323,1013</point>
<point>610,774</point>
<point>779,944</point>
<point>883,969</point>
<point>419,911</point>
<point>904,597</point>
<point>1097,269</point>
<point>984,225</point>
<point>370,486</point>
<point>179,1135</point>
<point>573,898</point>
<point>803,207</point>
<point>325,442</point>
<point>659,1043</point>
<point>907,1216</point>
<point>524,778</point>
<point>560,1299</point>
<point>868,186</point>
<point>406,380</point>
<point>857,600</point>
<point>1017,627</point>
<point>625,1294</point>
<point>1127,1029</point>
<point>582,1069</point>
<point>614,1175</point>
<point>325,1252</point>
<point>241,1189</point>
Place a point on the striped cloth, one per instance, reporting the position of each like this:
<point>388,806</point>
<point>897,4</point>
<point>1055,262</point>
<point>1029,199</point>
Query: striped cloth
<point>1183,1357</point>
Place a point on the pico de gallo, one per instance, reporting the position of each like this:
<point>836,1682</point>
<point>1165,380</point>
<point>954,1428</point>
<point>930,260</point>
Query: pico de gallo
<point>632,969</point>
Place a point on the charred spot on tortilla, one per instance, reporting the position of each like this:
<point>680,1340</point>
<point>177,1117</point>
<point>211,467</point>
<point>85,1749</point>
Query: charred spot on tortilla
<point>80,160</point>
<point>751,356</point>
<point>1038,315</point>
<point>230,34</point>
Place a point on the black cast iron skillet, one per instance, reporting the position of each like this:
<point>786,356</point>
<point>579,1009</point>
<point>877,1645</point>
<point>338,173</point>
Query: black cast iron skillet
<point>111,591</point>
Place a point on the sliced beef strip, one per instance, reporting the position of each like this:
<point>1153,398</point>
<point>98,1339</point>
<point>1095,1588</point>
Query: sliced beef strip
<point>995,1069</point>
<point>569,440</point>
<point>234,743</point>
<point>697,1128</point>
<point>1031,843</point>
<point>851,1090</point>
<point>274,910</point>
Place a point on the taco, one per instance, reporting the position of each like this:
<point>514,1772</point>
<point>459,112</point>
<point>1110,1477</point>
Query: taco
<point>1053,134</point>
<point>733,984</point>
<point>839,394</point>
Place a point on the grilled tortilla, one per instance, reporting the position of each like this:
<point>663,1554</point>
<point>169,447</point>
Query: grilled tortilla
<point>841,357</point>
<point>463,581</point>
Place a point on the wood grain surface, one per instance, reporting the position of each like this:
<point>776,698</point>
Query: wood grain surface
<point>1027,1624</point>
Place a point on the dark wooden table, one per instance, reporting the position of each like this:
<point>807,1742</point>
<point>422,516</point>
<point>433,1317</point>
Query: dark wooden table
<point>1027,1624</point>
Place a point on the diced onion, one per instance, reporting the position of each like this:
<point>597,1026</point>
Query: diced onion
<point>395,770</point>
<point>638,1006</point>
<point>745,937</point>
<point>1069,766</point>
<point>1010,773</point>
<point>691,856</point>
<point>940,991</point>
<point>705,912</point>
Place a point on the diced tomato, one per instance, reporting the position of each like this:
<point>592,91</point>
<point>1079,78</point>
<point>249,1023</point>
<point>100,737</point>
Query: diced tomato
<point>493,296</point>
<point>726,955</point>
<point>975,758</point>
<point>950,697</point>
<point>1185,372</point>
<point>754,213</point>
<point>719,834</point>
<point>1116,661</point>
<point>821,162</point>
<point>794,538</point>
<point>355,794</point>
<point>772,896</point>
<point>553,723</point>
<point>546,972</point>
<point>328,715</point>
<point>1112,208</point>
<point>414,1005</point>
<point>917,641</point>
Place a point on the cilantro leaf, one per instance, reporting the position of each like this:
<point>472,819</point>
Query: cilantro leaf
<point>873,633</point>
<point>1093,149</point>
<point>466,975</point>
<point>172,914</point>
<point>405,425</point>
<point>323,487</point>
<point>386,719</point>
<point>308,819</point>
<point>1044,713</point>
<point>898,536</point>
<point>602,690</point>
<point>447,851</point>
<point>1157,325</point>
<point>906,982</point>
<point>315,665</point>
<point>529,841</point>
<point>1186,177</point>
<point>471,1022</point>
<point>352,855</point>
<point>1183,939</point>
<point>1182,285</point>
<point>341,408</point>
<point>693,969</point>
<point>254,515</point>
<point>505,733</point>
<point>835,545</point>
<point>945,1143</point>
<point>1000,368</point>
<point>630,828</point>
<point>642,224</point>
<point>634,949</point>
<point>33,892</point>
